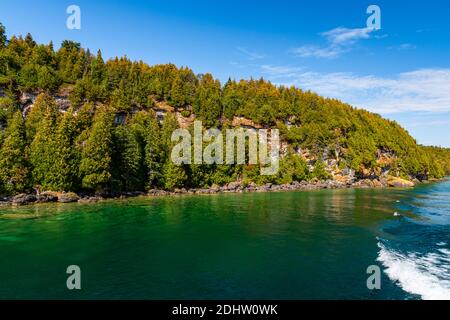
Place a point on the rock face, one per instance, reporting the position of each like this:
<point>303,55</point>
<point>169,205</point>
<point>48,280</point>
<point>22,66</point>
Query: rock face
<point>185,122</point>
<point>244,122</point>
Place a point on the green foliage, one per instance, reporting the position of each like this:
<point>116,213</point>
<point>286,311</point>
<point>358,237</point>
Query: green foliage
<point>14,167</point>
<point>84,150</point>
<point>43,149</point>
<point>173,175</point>
<point>65,167</point>
<point>43,105</point>
<point>126,165</point>
<point>155,153</point>
<point>96,155</point>
<point>207,102</point>
<point>2,36</point>
<point>183,88</point>
<point>319,171</point>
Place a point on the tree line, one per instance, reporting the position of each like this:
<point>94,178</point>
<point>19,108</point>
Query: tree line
<point>85,148</point>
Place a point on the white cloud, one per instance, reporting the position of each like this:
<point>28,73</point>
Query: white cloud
<point>419,90</point>
<point>280,71</point>
<point>344,36</point>
<point>339,41</point>
<point>250,55</point>
<point>318,52</point>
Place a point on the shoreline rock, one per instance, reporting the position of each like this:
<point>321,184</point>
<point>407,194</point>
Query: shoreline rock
<point>232,187</point>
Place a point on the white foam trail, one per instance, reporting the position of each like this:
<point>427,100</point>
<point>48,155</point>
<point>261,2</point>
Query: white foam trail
<point>423,275</point>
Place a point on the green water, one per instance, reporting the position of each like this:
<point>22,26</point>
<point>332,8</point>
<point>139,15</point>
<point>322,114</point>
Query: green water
<point>296,245</point>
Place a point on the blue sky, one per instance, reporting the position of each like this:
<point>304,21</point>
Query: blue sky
<point>401,71</point>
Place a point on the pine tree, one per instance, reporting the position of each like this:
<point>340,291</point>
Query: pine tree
<point>154,153</point>
<point>98,69</point>
<point>44,104</point>
<point>64,171</point>
<point>174,176</point>
<point>231,99</point>
<point>84,117</point>
<point>14,169</point>
<point>126,167</point>
<point>96,155</point>
<point>2,36</point>
<point>139,125</point>
<point>319,171</point>
<point>43,151</point>
<point>207,103</point>
<point>177,96</point>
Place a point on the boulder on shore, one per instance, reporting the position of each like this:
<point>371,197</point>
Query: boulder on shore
<point>68,197</point>
<point>399,183</point>
<point>46,197</point>
<point>23,199</point>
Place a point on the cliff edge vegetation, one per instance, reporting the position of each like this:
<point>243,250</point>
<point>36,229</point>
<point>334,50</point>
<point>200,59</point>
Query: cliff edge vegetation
<point>72,122</point>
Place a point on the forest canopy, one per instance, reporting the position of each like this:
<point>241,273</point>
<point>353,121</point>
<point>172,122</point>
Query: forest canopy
<point>86,146</point>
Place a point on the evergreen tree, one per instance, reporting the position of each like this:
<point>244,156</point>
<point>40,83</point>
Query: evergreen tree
<point>140,125</point>
<point>177,96</point>
<point>43,151</point>
<point>126,161</point>
<point>2,36</point>
<point>155,153</point>
<point>183,88</point>
<point>231,100</point>
<point>43,105</point>
<point>324,128</point>
<point>96,155</point>
<point>207,103</point>
<point>319,171</point>
<point>174,176</point>
<point>14,169</point>
<point>64,171</point>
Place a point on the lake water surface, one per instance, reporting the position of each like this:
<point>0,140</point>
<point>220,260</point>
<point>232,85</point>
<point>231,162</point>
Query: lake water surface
<point>286,245</point>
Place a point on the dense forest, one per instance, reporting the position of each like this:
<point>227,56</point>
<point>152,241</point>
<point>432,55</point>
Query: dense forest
<point>109,137</point>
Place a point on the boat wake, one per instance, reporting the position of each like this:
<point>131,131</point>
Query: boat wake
<point>426,275</point>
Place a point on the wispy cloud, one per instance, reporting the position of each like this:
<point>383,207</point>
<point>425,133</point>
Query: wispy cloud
<point>317,52</point>
<point>339,41</point>
<point>250,55</point>
<point>344,36</point>
<point>418,90</point>
<point>404,47</point>
<point>280,71</point>
<point>236,64</point>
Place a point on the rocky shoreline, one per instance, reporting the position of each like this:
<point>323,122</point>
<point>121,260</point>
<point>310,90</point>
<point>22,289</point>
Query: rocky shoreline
<point>233,187</point>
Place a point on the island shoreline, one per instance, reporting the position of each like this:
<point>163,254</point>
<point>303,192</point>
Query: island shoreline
<point>230,188</point>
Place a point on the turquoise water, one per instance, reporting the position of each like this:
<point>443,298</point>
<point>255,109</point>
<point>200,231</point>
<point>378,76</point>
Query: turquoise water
<point>293,245</point>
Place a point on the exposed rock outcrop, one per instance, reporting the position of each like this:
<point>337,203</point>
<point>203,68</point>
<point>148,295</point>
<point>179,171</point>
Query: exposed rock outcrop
<point>399,183</point>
